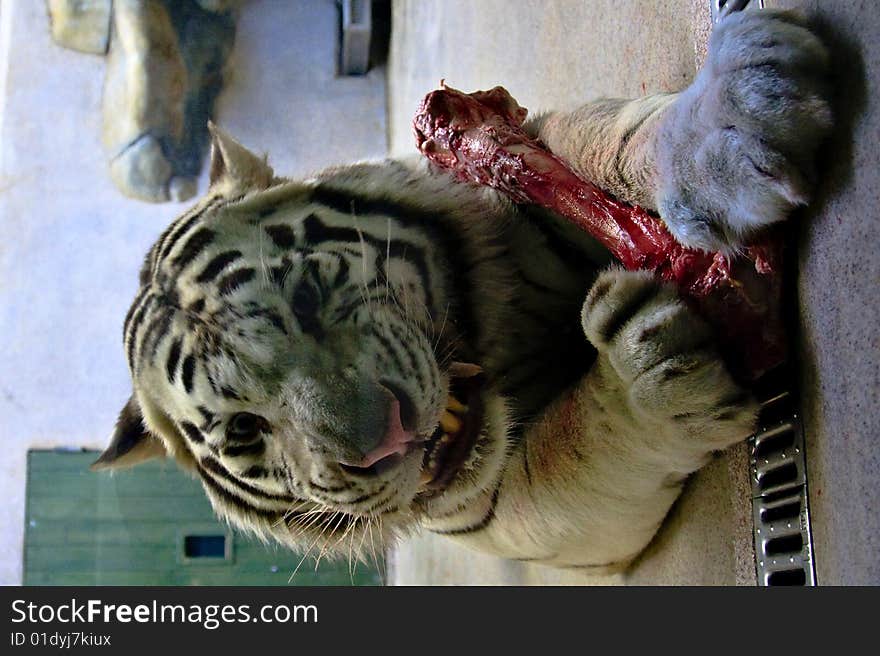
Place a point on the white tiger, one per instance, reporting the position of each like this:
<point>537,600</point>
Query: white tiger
<point>344,359</point>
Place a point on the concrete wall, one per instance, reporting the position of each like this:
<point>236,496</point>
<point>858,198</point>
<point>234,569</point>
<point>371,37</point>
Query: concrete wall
<point>71,245</point>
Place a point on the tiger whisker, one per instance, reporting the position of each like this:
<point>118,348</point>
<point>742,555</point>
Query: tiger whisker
<point>264,268</point>
<point>381,529</point>
<point>373,544</point>
<point>327,546</point>
<point>363,537</point>
<point>442,327</point>
<point>363,243</point>
<point>423,320</point>
<point>448,351</point>
<point>316,518</point>
<point>317,508</point>
<point>350,547</point>
<point>305,555</point>
<point>312,516</point>
<point>387,261</point>
<point>286,514</point>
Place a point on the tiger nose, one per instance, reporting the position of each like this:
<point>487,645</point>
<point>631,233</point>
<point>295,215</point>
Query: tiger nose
<point>396,440</point>
<point>393,435</point>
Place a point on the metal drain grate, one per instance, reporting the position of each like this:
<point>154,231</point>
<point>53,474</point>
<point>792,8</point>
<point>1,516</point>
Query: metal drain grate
<point>720,8</point>
<point>780,507</point>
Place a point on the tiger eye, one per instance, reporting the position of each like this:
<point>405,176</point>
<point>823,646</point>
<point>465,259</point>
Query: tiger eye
<point>245,426</point>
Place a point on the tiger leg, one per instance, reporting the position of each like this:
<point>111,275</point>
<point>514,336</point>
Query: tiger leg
<point>734,152</point>
<point>590,484</point>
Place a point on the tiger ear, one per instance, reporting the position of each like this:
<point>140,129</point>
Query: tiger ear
<point>131,443</point>
<point>235,169</point>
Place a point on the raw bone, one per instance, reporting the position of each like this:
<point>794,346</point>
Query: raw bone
<point>479,138</point>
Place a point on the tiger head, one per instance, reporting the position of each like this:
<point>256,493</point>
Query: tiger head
<point>312,353</point>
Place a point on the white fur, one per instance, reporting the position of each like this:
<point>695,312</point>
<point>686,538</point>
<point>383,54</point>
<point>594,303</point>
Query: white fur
<point>588,483</point>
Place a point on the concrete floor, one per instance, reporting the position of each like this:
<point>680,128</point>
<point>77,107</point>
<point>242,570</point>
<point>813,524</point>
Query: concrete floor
<point>558,54</point>
<point>839,301</point>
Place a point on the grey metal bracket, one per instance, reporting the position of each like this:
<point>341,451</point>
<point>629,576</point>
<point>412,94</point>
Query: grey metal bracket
<point>721,8</point>
<point>357,26</point>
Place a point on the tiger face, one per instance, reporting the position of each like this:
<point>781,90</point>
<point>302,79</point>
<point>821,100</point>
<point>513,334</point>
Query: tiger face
<point>298,346</point>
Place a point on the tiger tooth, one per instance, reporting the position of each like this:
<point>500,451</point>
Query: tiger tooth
<point>464,369</point>
<point>454,405</point>
<point>425,477</point>
<point>449,422</point>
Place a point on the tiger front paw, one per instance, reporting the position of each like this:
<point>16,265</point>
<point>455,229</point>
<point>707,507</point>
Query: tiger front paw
<point>737,150</point>
<point>666,357</point>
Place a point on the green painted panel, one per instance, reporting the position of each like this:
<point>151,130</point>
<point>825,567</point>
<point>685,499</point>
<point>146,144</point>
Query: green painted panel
<point>98,532</point>
<point>94,528</point>
<point>166,484</point>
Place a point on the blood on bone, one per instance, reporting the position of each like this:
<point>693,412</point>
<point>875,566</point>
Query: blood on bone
<point>479,138</point>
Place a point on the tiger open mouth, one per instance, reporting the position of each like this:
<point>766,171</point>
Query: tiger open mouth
<point>450,446</point>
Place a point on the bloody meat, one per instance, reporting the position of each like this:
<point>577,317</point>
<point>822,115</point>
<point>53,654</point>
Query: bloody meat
<point>479,138</point>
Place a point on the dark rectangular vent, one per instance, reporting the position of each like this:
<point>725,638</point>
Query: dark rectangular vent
<point>785,511</point>
<point>204,546</point>
<point>776,410</point>
<point>784,544</point>
<point>788,577</point>
<point>776,440</point>
<point>778,476</point>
